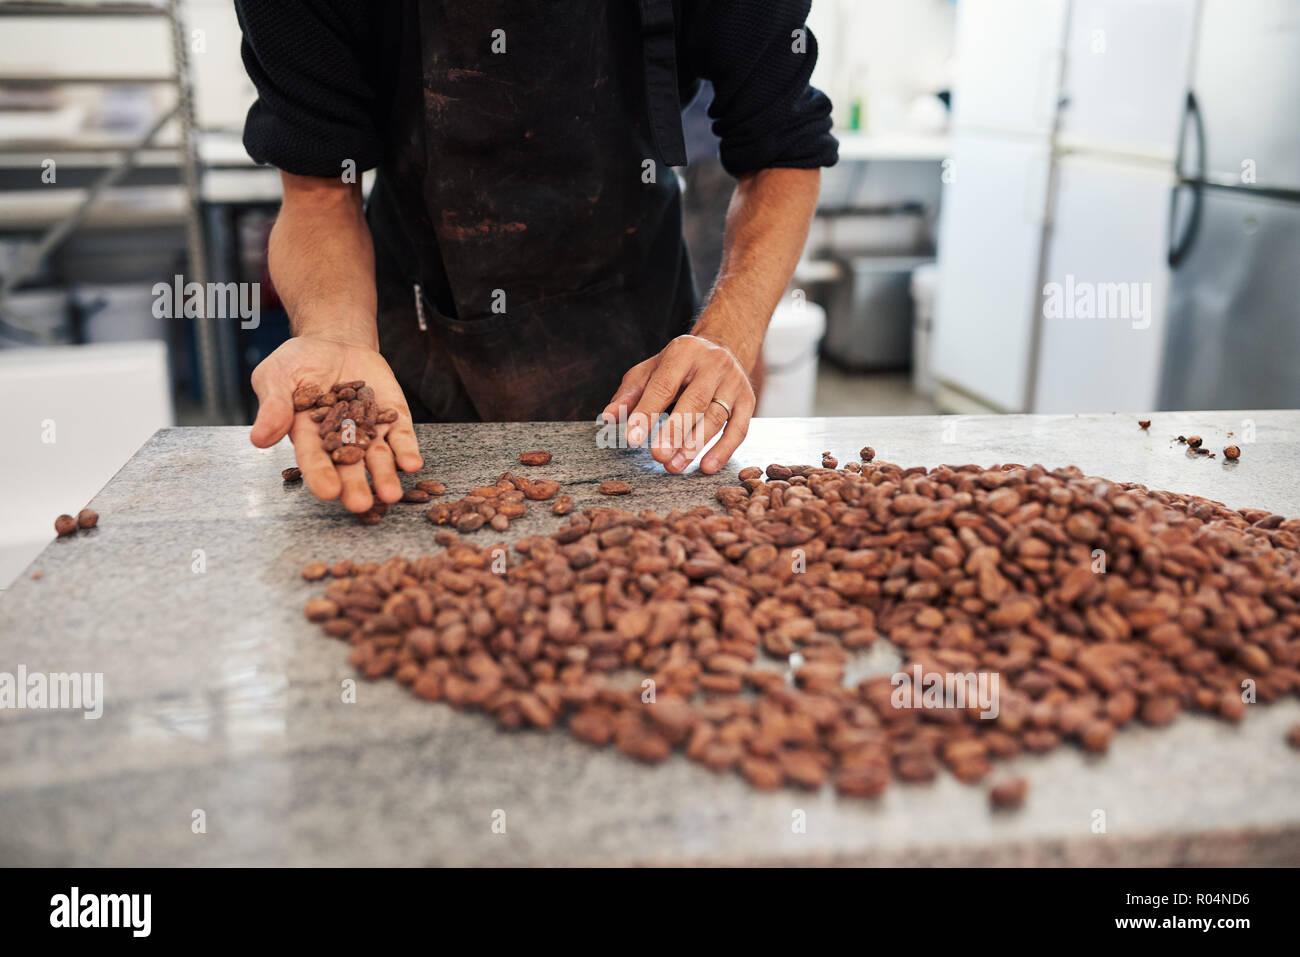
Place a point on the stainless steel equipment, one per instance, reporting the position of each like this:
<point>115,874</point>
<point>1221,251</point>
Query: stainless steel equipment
<point>1233,337</point>
<point>869,313</point>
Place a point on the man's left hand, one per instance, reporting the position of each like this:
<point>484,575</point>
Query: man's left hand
<point>703,387</point>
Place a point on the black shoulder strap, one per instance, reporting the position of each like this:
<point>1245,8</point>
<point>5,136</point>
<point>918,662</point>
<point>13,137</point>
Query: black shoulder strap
<point>660,46</point>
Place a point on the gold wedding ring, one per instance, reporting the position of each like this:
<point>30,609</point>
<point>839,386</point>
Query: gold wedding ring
<point>724,405</point>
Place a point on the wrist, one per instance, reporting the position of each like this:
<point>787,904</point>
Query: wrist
<point>742,344</point>
<point>356,334</point>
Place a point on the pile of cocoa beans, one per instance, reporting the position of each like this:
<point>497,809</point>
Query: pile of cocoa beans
<point>1096,604</point>
<point>348,415</point>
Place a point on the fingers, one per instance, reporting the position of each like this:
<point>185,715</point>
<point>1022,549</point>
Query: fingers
<point>356,490</point>
<point>379,459</point>
<point>400,435</point>
<point>406,448</point>
<point>629,390</point>
<point>704,428</point>
<point>274,409</point>
<point>692,413</point>
<point>735,432</point>
<point>318,471</point>
<point>660,390</point>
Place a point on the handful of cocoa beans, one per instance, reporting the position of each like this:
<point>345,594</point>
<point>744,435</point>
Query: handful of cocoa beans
<point>728,636</point>
<point>348,417</point>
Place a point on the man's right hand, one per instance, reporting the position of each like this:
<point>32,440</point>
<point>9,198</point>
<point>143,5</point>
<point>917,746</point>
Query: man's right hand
<point>323,361</point>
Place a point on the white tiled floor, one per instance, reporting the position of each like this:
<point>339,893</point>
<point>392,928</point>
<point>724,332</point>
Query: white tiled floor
<point>881,393</point>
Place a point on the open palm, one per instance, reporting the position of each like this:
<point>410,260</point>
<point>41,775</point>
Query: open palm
<point>311,359</point>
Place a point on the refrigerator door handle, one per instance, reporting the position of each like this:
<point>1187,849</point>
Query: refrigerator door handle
<point>1178,249</point>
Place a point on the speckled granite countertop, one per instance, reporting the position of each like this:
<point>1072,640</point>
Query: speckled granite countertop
<point>221,698</point>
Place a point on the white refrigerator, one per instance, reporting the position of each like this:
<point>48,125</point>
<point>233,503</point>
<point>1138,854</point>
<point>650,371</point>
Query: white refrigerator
<point>1008,56</point>
<point>1052,257</point>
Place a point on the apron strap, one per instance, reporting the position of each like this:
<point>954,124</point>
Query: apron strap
<point>662,100</point>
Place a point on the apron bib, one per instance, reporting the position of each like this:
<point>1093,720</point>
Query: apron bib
<point>529,168</point>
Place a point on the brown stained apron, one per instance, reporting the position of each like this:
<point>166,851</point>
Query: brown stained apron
<point>522,174</point>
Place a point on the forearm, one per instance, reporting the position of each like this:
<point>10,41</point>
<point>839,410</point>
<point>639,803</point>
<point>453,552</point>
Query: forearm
<point>323,263</point>
<point>767,225</point>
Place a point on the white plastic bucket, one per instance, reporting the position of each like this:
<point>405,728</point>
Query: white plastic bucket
<point>790,355</point>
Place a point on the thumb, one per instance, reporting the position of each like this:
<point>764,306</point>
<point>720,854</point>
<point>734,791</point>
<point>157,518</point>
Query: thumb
<point>274,410</point>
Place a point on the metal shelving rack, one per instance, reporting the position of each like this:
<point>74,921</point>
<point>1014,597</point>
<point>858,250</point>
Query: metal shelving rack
<point>126,157</point>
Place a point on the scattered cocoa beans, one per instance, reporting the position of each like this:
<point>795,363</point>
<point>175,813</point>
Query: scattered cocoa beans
<point>967,571</point>
<point>1144,424</point>
<point>540,457</point>
<point>66,525</point>
<point>291,474</point>
<point>1232,453</point>
<point>614,487</point>
<point>495,506</point>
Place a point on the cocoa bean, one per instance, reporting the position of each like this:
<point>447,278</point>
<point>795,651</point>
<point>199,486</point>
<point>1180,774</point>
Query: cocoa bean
<point>1009,794</point>
<point>305,396</point>
<point>348,455</point>
<point>541,490</point>
<point>320,609</point>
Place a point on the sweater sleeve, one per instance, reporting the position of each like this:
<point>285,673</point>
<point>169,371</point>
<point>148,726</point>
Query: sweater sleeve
<point>311,62</point>
<point>759,57</point>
